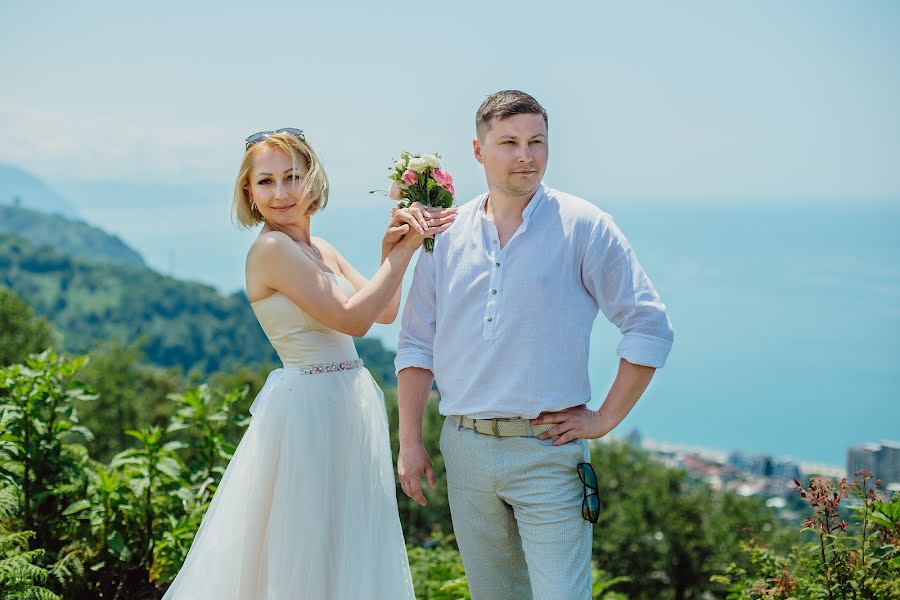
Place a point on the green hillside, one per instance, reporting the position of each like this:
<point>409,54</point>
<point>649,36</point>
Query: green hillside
<point>68,236</point>
<point>183,323</point>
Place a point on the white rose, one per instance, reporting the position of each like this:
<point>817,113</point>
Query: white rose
<point>400,164</point>
<point>432,161</point>
<point>417,165</point>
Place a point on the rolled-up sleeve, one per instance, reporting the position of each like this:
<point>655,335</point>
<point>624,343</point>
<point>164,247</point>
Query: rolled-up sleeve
<point>415,348</point>
<point>625,295</point>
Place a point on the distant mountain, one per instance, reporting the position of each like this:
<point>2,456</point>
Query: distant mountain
<point>68,236</point>
<point>20,188</point>
<point>183,323</point>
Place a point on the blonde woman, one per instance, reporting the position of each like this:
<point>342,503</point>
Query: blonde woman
<point>306,509</point>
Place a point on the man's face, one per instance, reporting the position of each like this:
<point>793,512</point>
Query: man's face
<point>514,153</point>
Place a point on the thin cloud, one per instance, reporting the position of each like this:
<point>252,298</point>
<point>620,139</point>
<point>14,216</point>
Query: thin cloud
<point>61,145</point>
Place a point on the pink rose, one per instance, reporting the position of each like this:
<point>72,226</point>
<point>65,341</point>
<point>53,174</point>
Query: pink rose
<point>449,188</point>
<point>395,190</point>
<point>443,179</point>
<point>409,177</point>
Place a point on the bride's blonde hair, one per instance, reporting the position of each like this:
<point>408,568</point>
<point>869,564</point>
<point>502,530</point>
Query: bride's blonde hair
<point>315,184</point>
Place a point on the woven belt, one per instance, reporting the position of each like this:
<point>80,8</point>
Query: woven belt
<point>501,427</point>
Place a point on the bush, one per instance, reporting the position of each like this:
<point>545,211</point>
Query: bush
<point>121,527</point>
<point>668,535</point>
<point>20,577</point>
<point>841,561</point>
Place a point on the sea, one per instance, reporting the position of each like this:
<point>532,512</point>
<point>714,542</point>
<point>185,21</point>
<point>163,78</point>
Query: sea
<point>786,312</point>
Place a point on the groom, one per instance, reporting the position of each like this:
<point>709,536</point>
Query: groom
<point>500,315</point>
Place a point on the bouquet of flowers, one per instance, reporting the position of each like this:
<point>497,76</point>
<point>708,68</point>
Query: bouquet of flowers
<point>420,179</point>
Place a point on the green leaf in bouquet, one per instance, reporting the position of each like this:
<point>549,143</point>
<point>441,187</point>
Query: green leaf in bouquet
<point>444,199</point>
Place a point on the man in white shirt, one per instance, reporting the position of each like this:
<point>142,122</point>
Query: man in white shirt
<point>500,316</point>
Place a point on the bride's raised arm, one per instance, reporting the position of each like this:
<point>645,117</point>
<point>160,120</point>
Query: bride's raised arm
<point>277,262</point>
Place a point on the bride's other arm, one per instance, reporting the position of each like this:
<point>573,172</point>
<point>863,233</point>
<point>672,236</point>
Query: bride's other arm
<point>277,263</point>
<point>439,218</point>
<point>357,279</point>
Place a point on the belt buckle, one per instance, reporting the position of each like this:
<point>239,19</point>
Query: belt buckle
<point>492,427</point>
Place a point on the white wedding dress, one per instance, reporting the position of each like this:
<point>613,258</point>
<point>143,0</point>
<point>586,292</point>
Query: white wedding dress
<point>306,509</point>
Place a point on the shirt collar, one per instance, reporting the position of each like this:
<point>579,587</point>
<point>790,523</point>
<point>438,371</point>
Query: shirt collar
<point>529,208</point>
<point>481,215</point>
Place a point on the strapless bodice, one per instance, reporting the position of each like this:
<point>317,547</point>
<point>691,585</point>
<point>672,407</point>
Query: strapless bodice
<point>297,337</point>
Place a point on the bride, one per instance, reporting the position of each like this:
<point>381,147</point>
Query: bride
<point>307,508</point>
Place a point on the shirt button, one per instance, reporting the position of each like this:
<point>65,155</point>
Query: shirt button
<point>497,264</point>
<point>493,291</point>
<point>489,319</point>
<point>494,242</point>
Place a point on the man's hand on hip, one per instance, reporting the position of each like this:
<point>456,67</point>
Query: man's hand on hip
<point>413,463</point>
<point>573,423</point>
<point>581,422</point>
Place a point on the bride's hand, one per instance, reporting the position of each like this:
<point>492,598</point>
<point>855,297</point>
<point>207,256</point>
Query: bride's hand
<point>417,221</point>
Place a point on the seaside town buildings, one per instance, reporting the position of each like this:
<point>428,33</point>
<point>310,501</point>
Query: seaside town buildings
<point>882,460</point>
<point>767,477</point>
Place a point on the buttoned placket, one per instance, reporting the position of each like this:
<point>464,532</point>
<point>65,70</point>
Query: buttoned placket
<point>493,300</point>
<point>490,238</point>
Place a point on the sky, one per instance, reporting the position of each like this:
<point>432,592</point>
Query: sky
<point>650,100</point>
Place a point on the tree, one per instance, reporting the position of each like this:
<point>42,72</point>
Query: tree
<point>131,394</point>
<point>668,535</point>
<point>23,332</point>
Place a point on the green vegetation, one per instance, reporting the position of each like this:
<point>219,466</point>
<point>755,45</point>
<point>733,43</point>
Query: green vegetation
<point>83,528</point>
<point>87,528</point>
<point>178,323</point>
<point>20,577</point>
<point>669,536</point>
<point>858,560</point>
<point>121,528</point>
<point>24,332</point>
<point>68,236</point>
<point>182,323</point>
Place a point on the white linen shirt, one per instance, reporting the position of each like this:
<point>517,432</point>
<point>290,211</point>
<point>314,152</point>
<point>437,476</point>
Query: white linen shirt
<point>506,332</point>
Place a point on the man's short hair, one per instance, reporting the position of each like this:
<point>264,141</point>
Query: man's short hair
<point>503,104</point>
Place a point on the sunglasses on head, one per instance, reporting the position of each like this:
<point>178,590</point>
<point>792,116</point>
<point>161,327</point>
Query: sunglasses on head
<point>261,135</point>
<point>590,505</point>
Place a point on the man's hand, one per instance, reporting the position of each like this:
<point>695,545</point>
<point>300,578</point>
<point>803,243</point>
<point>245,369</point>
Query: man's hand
<point>580,422</point>
<point>573,423</point>
<point>413,463</point>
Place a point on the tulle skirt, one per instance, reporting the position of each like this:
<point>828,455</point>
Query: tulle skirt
<point>306,508</point>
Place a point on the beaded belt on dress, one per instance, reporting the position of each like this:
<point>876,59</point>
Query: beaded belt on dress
<point>314,369</point>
